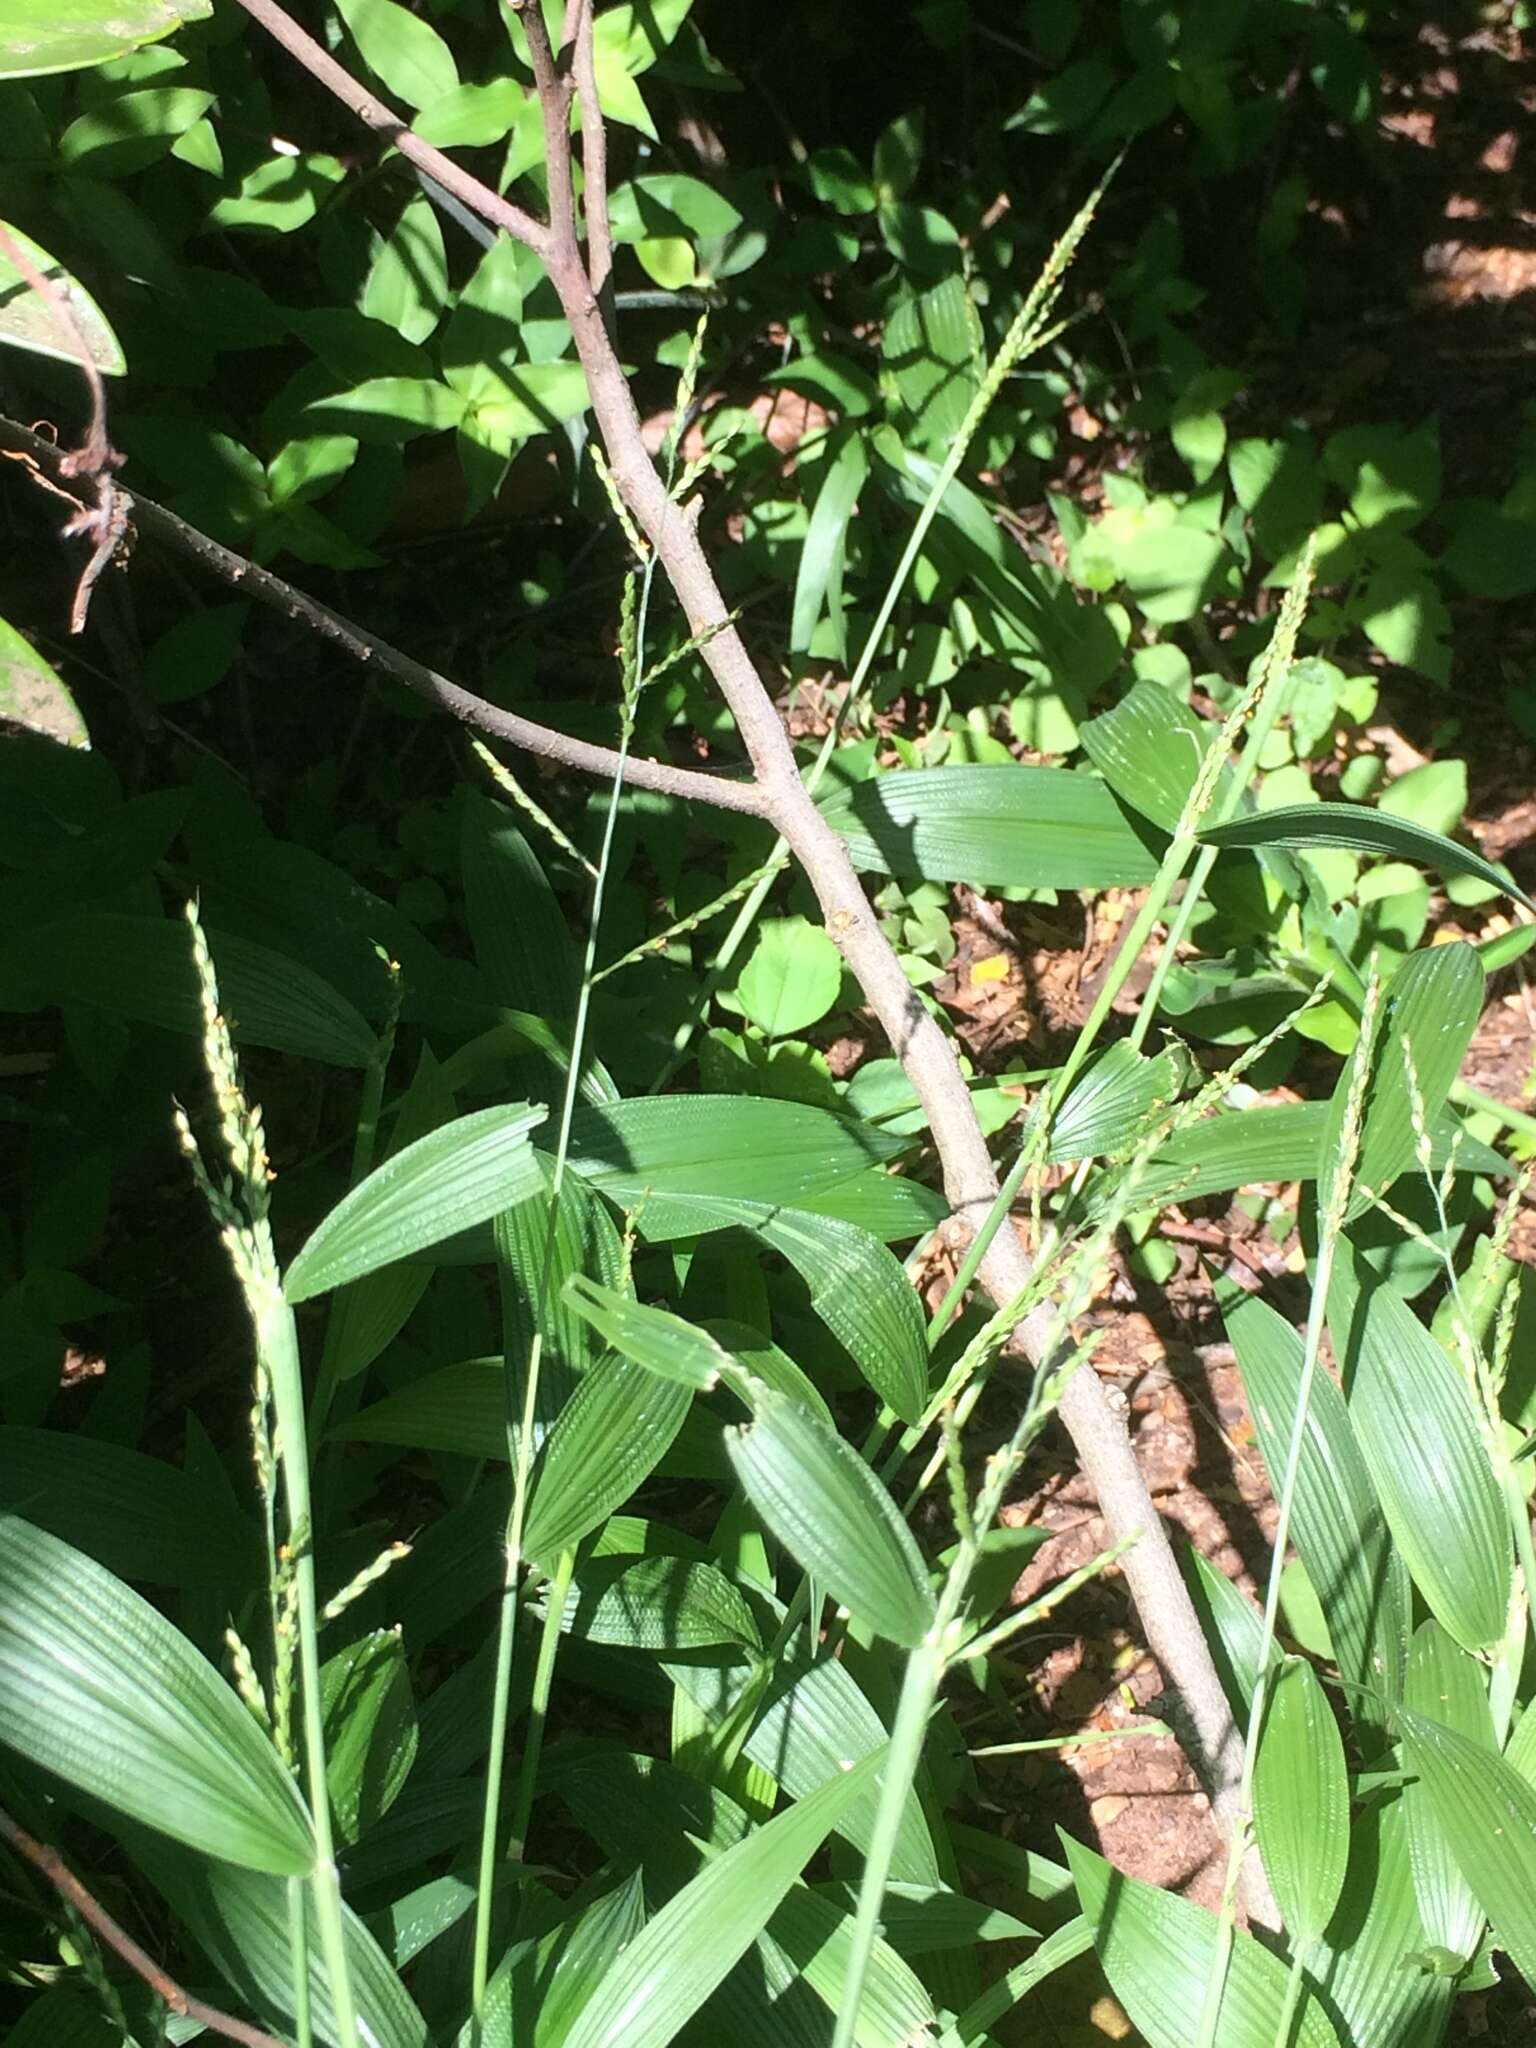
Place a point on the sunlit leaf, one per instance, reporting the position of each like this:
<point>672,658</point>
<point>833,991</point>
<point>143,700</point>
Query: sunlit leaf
<point>1301,827</point>
<point>993,826</point>
<point>833,1516</point>
<point>96,1686</point>
<point>28,322</point>
<point>1337,1521</point>
<point>1157,1950</point>
<point>1451,1688</point>
<point>455,1176</point>
<point>1417,1425</point>
<point>1487,1814</point>
<point>39,36</point>
<point>1301,1802</point>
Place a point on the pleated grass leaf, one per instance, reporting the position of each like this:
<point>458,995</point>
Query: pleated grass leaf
<point>97,1686</point>
<point>612,1433</point>
<point>453,1178</point>
<point>833,1516</point>
<point>1337,1521</point>
<point>1301,1802</point>
<point>662,1978</point>
<point>1157,1951</point>
<point>1418,1428</point>
<point>1447,1686</point>
<point>1300,827</point>
<point>1487,1813</point>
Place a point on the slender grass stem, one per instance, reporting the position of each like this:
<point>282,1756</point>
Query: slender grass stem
<point>1481,1104</point>
<point>538,1706</point>
<point>278,1341</point>
<point>919,1689</point>
<point>521,1426</point>
<point>1295,1982</point>
<point>298,1964</point>
<point>1058,1743</point>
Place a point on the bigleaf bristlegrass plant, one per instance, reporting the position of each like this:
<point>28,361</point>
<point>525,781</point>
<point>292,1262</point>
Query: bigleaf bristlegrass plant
<point>523,1376</point>
<point>237,1193</point>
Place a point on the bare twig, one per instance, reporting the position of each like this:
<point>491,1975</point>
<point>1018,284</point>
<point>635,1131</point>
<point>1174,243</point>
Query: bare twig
<point>594,158</point>
<point>919,1041</point>
<point>102,518</point>
<point>554,88</point>
<point>479,198</point>
<point>43,1857</point>
<point>48,464</point>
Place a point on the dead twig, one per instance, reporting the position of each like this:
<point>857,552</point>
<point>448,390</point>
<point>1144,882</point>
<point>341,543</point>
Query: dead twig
<point>46,1859</point>
<point>100,514</point>
<point>47,464</point>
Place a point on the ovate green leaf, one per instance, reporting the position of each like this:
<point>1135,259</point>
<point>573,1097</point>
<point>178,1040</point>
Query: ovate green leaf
<point>665,1604</point>
<point>31,694</point>
<point>240,1920</point>
<point>791,978</point>
<point>141,968</point>
<point>39,36</point>
<point>405,52</point>
<point>27,322</point>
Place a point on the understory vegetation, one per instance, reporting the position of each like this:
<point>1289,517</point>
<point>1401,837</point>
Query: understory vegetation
<point>758,774</point>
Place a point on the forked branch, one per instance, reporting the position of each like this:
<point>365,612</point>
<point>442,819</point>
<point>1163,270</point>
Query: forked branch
<point>919,1041</point>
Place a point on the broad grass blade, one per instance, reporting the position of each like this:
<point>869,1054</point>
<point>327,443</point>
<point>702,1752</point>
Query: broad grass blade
<point>833,1516</point>
<point>1156,1950</point>
<point>1366,1965</point>
<point>653,1337</point>
<point>661,1604</point>
<point>994,825</point>
<point>1301,1802</point>
<point>240,1920</point>
<point>1445,1685</point>
<point>98,1687</point>
<point>456,1176</point>
<point>1359,830</point>
<point>611,1434</point>
<point>1428,1017</point>
<point>659,1982</point>
<point>1417,1426</point>
<point>1336,1519</point>
<point>1487,1814</point>
<point>137,1515</point>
